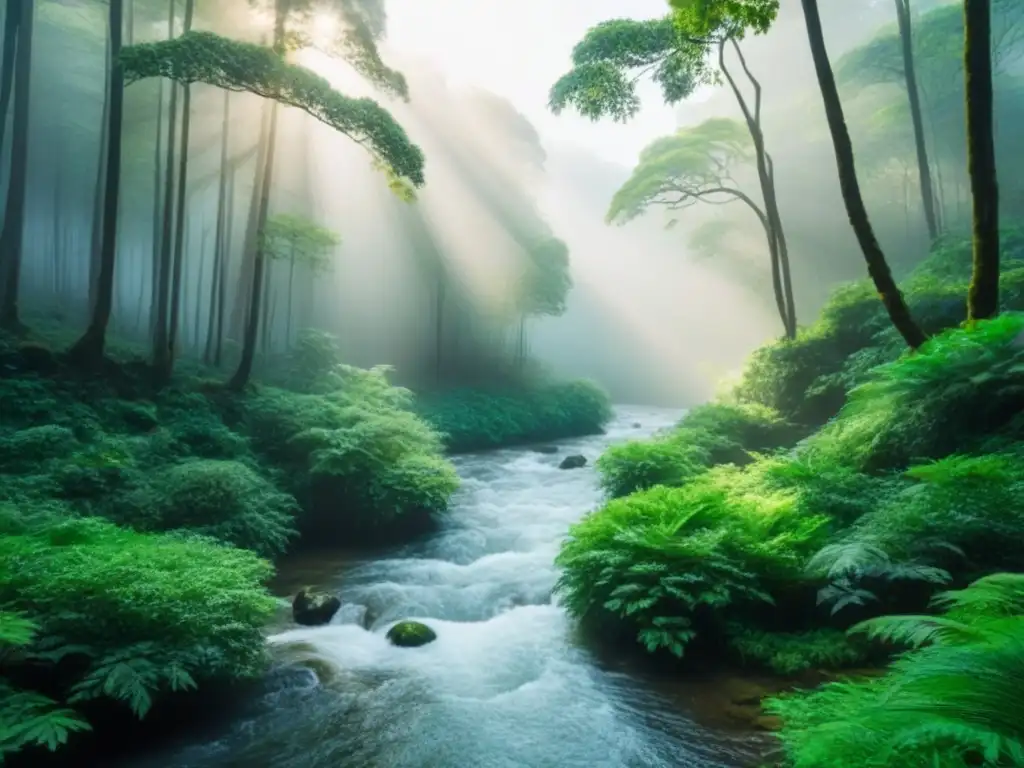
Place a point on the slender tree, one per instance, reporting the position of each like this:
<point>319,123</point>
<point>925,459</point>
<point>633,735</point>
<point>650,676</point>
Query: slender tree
<point>167,360</point>
<point>878,267</point>
<point>910,76</point>
<point>983,296</point>
<point>12,236</point>
<point>89,348</point>
<point>676,52</point>
<point>12,20</point>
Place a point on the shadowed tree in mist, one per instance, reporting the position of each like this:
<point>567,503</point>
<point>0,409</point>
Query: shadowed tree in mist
<point>695,165</point>
<point>677,52</point>
<point>983,295</point>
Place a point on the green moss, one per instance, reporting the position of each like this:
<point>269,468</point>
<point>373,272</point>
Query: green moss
<point>411,634</point>
<point>788,653</point>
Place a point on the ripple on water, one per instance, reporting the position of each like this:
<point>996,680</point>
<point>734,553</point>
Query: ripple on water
<point>504,685</point>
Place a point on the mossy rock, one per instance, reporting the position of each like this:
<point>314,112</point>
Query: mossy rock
<point>411,634</point>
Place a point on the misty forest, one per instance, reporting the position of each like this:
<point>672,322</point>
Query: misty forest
<point>357,410</point>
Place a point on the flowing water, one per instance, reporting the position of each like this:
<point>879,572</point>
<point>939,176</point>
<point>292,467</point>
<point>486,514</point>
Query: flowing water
<point>507,684</point>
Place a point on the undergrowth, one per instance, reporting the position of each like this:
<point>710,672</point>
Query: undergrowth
<point>473,420</point>
<point>951,701</point>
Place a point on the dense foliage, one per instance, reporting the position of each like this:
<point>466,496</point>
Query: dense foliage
<point>951,701</point>
<point>766,524</point>
<point>472,420</point>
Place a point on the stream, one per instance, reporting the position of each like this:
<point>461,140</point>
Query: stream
<point>507,684</point>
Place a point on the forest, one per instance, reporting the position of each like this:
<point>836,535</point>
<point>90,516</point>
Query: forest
<point>266,285</point>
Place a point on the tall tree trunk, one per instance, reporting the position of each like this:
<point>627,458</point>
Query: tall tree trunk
<point>249,341</point>
<point>910,76</point>
<point>243,299</point>
<point>161,330</point>
<point>154,277</point>
<point>244,371</point>
<point>196,325</point>
<point>218,238</point>
<point>983,296</point>
<point>89,349</point>
<point>12,236</point>
<point>99,187</point>
<point>777,247</point>
<point>167,362</point>
<point>878,267</point>
<point>291,295</point>
<point>222,290</point>
<point>12,21</point>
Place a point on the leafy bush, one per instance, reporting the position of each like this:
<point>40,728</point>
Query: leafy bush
<point>960,388</point>
<point>225,500</point>
<point>473,420</point>
<point>952,701</point>
<point>806,379</point>
<point>788,653</point>
<point>124,616</point>
<point>666,561</point>
<point>711,434</point>
<point>357,460</point>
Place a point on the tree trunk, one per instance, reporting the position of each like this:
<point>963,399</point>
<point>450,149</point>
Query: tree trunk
<point>291,294</point>
<point>89,349</point>
<point>167,367</point>
<point>12,236</point>
<point>99,187</point>
<point>244,371</point>
<point>12,21</point>
<point>983,296</point>
<point>910,76</point>
<point>218,238</point>
<point>240,310</point>
<point>878,268</point>
<point>154,277</point>
<point>196,325</point>
<point>161,331</point>
<point>777,247</point>
<point>222,289</point>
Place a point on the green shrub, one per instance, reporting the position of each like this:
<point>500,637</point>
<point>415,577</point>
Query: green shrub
<point>354,456</point>
<point>787,653</point>
<point>225,500</point>
<point>717,433</point>
<point>128,616</point>
<point>25,448</point>
<point>806,379</point>
<point>952,701</point>
<point>665,561</point>
<point>472,420</point>
<point>960,388</point>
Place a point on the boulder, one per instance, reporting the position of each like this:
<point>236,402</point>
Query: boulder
<point>411,634</point>
<point>573,462</point>
<point>549,449</point>
<point>311,609</point>
<point>637,425</point>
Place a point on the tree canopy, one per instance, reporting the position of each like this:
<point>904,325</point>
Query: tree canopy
<point>693,165</point>
<point>203,57</point>
<point>287,236</point>
<point>547,280</point>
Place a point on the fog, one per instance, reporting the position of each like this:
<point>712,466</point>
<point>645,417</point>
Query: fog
<point>434,287</point>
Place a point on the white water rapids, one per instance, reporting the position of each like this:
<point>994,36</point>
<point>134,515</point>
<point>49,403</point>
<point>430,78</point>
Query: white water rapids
<point>507,684</point>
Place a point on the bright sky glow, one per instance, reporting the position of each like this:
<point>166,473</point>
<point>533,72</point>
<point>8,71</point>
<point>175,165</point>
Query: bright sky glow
<point>518,50</point>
